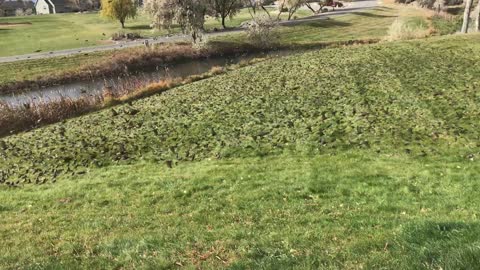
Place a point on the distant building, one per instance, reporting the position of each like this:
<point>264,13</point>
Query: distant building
<point>12,8</point>
<point>51,7</point>
<point>64,6</point>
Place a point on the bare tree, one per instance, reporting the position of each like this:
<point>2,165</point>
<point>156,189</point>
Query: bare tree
<point>253,5</point>
<point>321,5</point>
<point>223,9</point>
<point>466,16</point>
<point>189,14</point>
<point>261,31</point>
<point>291,5</point>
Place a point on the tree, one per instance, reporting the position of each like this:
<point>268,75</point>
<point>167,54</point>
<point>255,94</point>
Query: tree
<point>223,9</point>
<point>261,31</point>
<point>119,10</point>
<point>253,5</point>
<point>82,5</point>
<point>189,14</point>
<point>466,16</point>
<point>321,4</point>
<point>291,5</point>
<point>2,12</point>
<point>477,18</point>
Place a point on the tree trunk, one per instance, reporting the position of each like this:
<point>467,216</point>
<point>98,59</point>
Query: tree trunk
<point>266,11</point>
<point>477,18</point>
<point>123,23</point>
<point>310,7</point>
<point>280,12</point>
<point>194,37</point>
<point>223,22</point>
<point>466,16</point>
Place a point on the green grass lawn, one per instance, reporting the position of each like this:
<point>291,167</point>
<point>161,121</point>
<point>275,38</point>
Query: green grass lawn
<point>361,25</point>
<point>341,211</point>
<point>366,159</point>
<point>67,31</point>
<point>61,31</point>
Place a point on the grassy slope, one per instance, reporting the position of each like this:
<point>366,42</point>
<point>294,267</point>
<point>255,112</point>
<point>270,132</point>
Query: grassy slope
<point>372,24</point>
<point>377,152</point>
<point>66,31</point>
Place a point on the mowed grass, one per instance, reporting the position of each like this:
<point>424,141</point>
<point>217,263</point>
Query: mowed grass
<point>354,210</point>
<point>73,30</point>
<point>62,31</point>
<point>361,25</point>
<point>366,159</point>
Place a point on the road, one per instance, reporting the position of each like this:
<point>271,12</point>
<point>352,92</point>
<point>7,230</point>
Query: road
<point>350,8</point>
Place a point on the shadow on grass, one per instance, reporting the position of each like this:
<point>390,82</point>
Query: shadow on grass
<point>139,27</point>
<point>439,245</point>
<point>326,23</point>
<point>382,8</point>
<point>372,15</point>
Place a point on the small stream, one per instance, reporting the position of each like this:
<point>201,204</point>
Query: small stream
<point>95,87</point>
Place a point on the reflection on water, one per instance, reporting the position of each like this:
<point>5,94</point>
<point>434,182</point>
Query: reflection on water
<point>94,87</point>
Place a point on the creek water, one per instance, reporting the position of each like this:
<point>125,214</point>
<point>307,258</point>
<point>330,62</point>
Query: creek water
<point>78,89</point>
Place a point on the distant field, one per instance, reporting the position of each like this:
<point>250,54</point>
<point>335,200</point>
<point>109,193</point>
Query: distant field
<point>365,24</point>
<point>66,31</point>
<point>368,24</point>
<point>367,158</point>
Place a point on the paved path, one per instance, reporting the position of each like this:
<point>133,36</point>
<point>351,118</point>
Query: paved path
<point>350,8</point>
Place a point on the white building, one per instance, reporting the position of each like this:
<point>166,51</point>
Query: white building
<point>50,6</point>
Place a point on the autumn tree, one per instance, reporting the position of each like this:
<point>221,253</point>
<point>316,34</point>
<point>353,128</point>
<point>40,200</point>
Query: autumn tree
<point>119,10</point>
<point>223,9</point>
<point>189,14</point>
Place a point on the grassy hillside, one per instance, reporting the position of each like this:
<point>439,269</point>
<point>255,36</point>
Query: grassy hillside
<point>411,96</point>
<point>335,159</point>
